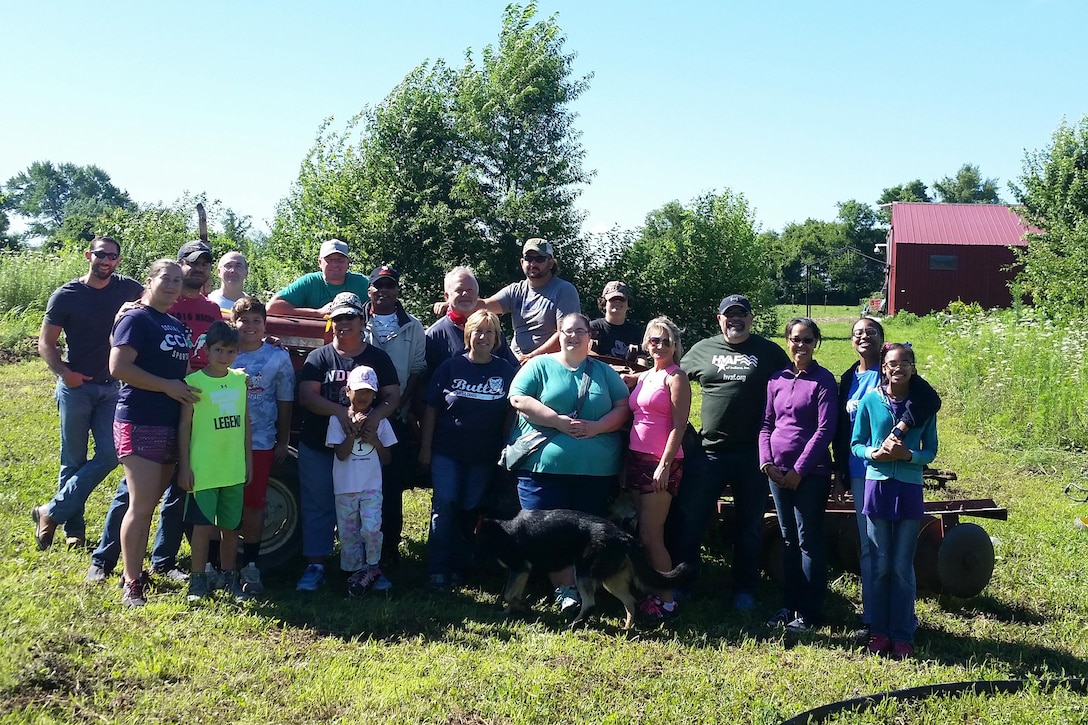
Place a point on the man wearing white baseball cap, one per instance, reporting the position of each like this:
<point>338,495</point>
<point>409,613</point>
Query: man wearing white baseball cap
<point>311,294</point>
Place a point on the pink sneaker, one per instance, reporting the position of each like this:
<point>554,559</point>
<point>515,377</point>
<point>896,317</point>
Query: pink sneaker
<point>902,651</point>
<point>362,580</point>
<point>878,644</point>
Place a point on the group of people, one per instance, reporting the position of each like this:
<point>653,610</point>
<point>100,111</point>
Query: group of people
<point>388,397</point>
<point>189,398</point>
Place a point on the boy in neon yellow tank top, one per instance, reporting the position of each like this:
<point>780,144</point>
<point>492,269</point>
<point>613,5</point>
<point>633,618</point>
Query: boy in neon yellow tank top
<point>215,460</point>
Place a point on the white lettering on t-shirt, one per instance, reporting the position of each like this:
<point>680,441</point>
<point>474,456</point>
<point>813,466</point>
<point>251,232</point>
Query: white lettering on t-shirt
<point>734,361</point>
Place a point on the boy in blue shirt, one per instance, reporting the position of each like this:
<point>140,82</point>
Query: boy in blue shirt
<point>271,381</point>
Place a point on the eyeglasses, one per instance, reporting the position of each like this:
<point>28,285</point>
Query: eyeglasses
<point>99,254</point>
<point>898,365</point>
<point>384,284</point>
<point>867,332</point>
<point>802,340</point>
<point>580,332</point>
<point>531,259</point>
<point>662,341</point>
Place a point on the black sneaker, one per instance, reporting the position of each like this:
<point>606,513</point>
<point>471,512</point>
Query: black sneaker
<point>799,625</point>
<point>781,618</point>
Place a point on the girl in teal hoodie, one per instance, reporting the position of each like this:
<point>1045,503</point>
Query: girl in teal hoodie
<point>893,503</point>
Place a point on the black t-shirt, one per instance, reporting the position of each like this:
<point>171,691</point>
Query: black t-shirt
<point>609,339</point>
<point>86,315</point>
<point>329,368</point>
<point>733,379</point>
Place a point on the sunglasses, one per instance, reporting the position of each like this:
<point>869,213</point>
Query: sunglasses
<point>662,341</point>
<point>531,259</point>
<point>802,340</point>
<point>99,254</point>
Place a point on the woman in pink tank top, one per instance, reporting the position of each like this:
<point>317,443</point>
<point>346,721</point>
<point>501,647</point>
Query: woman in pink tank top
<point>660,402</point>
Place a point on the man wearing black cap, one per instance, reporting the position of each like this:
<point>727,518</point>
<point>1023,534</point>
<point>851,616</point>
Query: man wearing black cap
<point>732,369</point>
<point>197,313</point>
<point>536,303</point>
<point>401,336</point>
<point>311,294</point>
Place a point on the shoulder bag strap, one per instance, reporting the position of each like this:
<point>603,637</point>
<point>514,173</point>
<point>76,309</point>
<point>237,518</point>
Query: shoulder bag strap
<point>583,388</point>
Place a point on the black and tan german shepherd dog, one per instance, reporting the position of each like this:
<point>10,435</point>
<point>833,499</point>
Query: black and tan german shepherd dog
<point>601,553</point>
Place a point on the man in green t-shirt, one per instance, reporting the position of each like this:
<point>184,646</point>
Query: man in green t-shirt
<point>311,294</point>
<point>732,369</point>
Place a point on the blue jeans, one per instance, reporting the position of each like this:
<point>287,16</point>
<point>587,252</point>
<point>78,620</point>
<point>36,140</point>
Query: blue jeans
<point>857,492</point>
<point>164,551</point>
<point>85,411</point>
<point>457,489</point>
<point>548,491</point>
<point>893,544</point>
<point>804,558</point>
<point>317,503</point>
<point>705,475</point>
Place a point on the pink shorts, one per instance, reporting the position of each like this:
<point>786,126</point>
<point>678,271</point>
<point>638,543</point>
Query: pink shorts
<point>640,473</point>
<point>257,486</point>
<point>156,443</point>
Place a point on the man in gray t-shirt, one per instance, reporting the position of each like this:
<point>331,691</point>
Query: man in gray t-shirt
<point>536,303</point>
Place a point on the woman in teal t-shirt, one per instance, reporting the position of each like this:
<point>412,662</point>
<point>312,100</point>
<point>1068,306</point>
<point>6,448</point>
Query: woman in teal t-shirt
<point>578,466</point>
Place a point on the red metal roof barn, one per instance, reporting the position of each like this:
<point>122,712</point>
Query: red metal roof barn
<point>940,253</point>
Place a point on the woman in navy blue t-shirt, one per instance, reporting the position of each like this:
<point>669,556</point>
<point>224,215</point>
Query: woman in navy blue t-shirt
<point>150,356</point>
<point>464,428</point>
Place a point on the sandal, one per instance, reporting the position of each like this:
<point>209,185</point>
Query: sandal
<point>43,533</point>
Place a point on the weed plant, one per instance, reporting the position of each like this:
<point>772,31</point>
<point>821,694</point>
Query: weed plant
<point>1016,378</point>
<point>28,278</point>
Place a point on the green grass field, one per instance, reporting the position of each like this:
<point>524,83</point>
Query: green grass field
<point>70,653</point>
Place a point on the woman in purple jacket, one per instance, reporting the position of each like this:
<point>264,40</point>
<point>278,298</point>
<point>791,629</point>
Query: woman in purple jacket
<point>798,425</point>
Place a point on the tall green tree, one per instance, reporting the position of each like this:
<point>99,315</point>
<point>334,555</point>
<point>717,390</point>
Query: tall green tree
<point>326,201</point>
<point>967,187</point>
<point>453,166</point>
<point>1053,194</point>
<point>46,193</point>
<point>420,213</point>
<point>859,271</point>
<point>910,191</point>
<point>805,254</point>
<point>513,112</point>
<point>688,256</point>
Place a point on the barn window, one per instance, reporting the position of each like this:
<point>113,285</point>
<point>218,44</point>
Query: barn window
<point>944,262</point>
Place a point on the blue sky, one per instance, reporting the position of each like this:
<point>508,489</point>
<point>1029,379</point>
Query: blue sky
<point>796,105</point>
